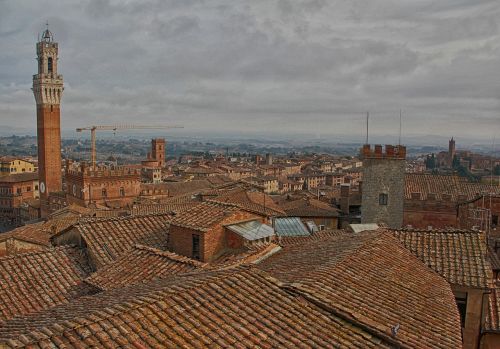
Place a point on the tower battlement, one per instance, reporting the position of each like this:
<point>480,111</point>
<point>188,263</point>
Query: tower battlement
<point>102,171</point>
<point>391,152</point>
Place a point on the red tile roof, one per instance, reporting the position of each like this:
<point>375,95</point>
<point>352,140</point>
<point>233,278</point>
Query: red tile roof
<point>439,185</point>
<point>492,323</point>
<point>371,279</point>
<point>109,238</point>
<point>459,256</point>
<point>204,215</point>
<point>180,188</point>
<point>141,264</point>
<point>32,233</point>
<point>251,201</point>
<point>249,255</point>
<point>323,234</point>
<point>243,308</point>
<point>142,209</point>
<point>35,281</point>
<point>309,208</point>
<point>19,177</point>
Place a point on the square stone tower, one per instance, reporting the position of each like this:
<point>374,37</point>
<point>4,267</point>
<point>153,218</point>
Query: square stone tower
<point>383,185</point>
<point>48,88</point>
<point>158,151</point>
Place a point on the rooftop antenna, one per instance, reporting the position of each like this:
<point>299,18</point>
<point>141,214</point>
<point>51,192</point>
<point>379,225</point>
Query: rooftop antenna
<point>400,122</point>
<point>367,118</point>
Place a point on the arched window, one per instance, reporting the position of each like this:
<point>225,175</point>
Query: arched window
<point>49,65</point>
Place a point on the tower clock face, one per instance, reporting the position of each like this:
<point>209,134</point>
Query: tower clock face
<point>42,187</point>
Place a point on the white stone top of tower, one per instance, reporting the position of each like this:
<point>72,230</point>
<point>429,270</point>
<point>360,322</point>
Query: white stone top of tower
<point>47,35</point>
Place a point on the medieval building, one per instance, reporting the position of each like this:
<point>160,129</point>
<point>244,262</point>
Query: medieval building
<point>383,185</point>
<point>48,88</point>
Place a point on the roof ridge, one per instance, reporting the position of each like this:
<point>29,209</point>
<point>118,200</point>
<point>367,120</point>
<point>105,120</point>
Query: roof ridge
<point>170,255</point>
<point>44,251</point>
<point>119,218</point>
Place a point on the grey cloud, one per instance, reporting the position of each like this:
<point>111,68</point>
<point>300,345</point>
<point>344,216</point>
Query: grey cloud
<point>296,65</point>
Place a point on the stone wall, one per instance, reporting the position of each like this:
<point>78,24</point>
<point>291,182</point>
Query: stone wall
<point>383,174</point>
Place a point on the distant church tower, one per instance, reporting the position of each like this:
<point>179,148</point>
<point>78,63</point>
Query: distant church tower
<point>383,186</point>
<point>451,150</point>
<point>158,150</point>
<point>48,88</point>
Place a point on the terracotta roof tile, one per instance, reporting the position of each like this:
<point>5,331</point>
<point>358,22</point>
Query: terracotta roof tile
<point>459,256</point>
<point>204,215</point>
<point>322,234</point>
<point>32,233</point>
<point>19,177</point>
<point>252,201</point>
<point>309,207</point>
<point>251,254</point>
<point>242,308</point>
<point>38,280</point>
<point>141,264</point>
<point>371,279</point>
<point>492,323</point>
<point>143,209</point>
<point>439,185</point>
<point>109,238</point>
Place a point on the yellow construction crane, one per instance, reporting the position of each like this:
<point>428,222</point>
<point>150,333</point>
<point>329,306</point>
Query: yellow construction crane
<point>93,129</point>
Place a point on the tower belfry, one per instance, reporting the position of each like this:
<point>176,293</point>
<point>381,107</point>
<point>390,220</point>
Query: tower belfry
<point>48,88</point>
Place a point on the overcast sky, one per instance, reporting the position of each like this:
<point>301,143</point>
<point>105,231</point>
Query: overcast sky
<point>312,66</point>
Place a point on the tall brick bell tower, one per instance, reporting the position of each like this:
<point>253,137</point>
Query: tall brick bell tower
<point>48,88</point>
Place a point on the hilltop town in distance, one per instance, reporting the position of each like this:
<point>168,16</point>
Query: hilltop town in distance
<point>140,233</point>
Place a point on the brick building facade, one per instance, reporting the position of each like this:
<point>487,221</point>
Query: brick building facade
<point>200,232</point>
<point>47,89</point>
<point>14,191</point>
<point>115,187</point>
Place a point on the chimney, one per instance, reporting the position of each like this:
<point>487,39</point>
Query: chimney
<point>344,198</point>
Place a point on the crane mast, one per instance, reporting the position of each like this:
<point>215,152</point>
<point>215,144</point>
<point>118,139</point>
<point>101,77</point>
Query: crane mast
<point>93,129</point>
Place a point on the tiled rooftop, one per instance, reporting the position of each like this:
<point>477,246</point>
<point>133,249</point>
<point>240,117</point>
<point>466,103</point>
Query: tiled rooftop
<point>141,264</point>
<point>439,185</point>
<point>204,215</point>
<point>322,234</point>
<point>492,323</point>
<point>109,238</point>
<point>371,279</point>
<point>19,177</point>
<point>150,208</point>
<point>459,256</point>
<point>32,233</point>
<point>243,308</point>
<point>252,201</point>
<point>38,280</point>
<point>309,208</point>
